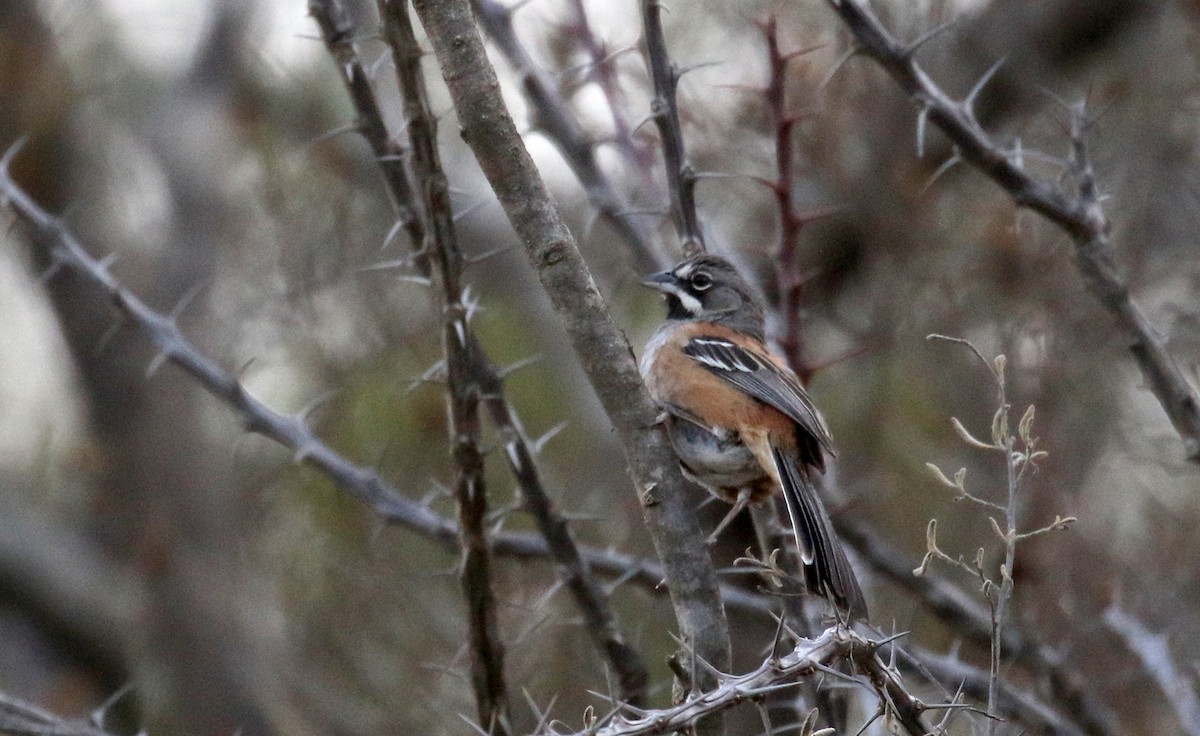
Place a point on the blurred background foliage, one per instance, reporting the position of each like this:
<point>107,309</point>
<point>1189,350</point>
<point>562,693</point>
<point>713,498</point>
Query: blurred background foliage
<point>146,539</point>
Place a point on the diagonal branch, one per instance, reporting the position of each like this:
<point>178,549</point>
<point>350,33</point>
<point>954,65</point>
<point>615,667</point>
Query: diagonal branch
<point>1079,214</point>
<point>664,109</point>
<point>600,346</point>
<point>554,117</point>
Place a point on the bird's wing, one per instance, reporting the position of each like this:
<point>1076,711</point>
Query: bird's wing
<point>759,376</point>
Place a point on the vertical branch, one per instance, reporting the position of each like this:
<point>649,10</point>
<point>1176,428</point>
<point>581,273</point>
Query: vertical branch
<point>1004,593</point>
<point>624,660</point>
<point>337,30</point>
<point>465,366</point>
<point>664,109</point>
<point>790,268</point>
<point>600,346</point>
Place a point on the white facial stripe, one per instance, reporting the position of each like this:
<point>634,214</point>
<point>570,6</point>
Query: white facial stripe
<point>690,303</point>
<point>685,272</point>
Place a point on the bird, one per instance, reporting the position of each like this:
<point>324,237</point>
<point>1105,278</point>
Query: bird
<point>738,417</point>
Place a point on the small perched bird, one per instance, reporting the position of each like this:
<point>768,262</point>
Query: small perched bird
<point>741,423</point>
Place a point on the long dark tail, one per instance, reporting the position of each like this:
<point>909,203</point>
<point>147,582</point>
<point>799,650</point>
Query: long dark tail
<point>826,569</point>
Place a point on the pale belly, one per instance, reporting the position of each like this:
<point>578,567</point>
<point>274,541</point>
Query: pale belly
<point>722,464</point>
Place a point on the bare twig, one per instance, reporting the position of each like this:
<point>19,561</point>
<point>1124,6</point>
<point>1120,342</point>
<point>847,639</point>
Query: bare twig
<point>810,656</point>
<point>1003,595</point>
<point>601,348</point>
<point>337,30</point>
<point>971,620</point>
<point>1178,687</point>
<point>664,109</point>
<point>1079,214</point>
<point>627,665</point>
<point>554,117</point>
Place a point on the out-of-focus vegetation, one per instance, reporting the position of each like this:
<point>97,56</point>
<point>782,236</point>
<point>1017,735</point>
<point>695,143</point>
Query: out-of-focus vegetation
<point>146,539</point>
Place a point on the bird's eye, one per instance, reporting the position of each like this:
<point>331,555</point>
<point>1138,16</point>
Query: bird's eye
<point>701,281</point>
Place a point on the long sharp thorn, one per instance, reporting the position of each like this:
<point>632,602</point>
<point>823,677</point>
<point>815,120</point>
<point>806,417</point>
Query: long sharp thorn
<point>922,119</point>
<point>347,128</point>
<point>779,631</point>
<point>469,210</point>
<point>837,65</point>
<point>515,366</point>
<point>969,102</point>
<point>946,166</point>
<point>11,154</point>
<point>884,642</point>
<point>315,404</point>
<point>385,265</point>
<point>680,71</point>
<point>872,719</point>
<point>765,718</point>
<point>481,257</point>
<point>392,233</point>
<point>157,361</point>
<point>186,300</point>
<point>804,51</point>
<point>928,36</point>
<point>474,726</point>
<point>536,445</point>
<point>96,717</point>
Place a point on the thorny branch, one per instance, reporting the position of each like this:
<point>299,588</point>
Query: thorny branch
<point>601,348</point>
<point>465,362</point>
<point>293,432</point>
<point>790,269</point>
<point>554,117</point>
<point>361,482</point>
<point>1079,214</point>
<point>664,109</point>
<point>337,30</point>
<point>809,657</point>
<point>626,663</point>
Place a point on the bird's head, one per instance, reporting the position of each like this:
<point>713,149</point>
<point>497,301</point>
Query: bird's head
<point>708,288</point>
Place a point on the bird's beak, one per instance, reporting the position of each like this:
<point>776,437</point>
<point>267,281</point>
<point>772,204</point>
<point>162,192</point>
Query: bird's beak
<point>661,281</point>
